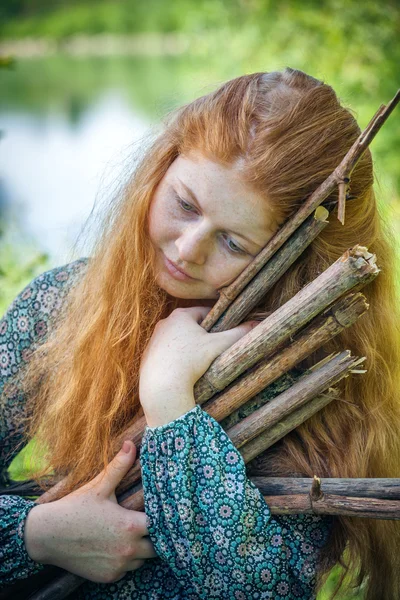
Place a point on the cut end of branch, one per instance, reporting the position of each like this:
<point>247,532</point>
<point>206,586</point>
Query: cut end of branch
<point>362,252</point>
<point>326,359</point>
<point>349,308</point>
<point>321,214</point>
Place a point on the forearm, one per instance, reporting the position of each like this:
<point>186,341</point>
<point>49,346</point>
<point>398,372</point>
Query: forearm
<point>37,531</point>
<point>211,525</point>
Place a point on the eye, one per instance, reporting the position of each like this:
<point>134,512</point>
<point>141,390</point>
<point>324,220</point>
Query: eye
<point>234,250</point>
<point>182,203</point>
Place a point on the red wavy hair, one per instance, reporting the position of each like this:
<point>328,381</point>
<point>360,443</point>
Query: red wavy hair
<point>290,132</point>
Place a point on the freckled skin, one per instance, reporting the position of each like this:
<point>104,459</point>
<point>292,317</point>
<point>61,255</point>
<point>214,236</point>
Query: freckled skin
<point>87,532</point>
<point>198,240</point>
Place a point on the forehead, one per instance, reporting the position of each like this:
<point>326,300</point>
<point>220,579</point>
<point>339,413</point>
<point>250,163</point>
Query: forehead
<point>222,194</point>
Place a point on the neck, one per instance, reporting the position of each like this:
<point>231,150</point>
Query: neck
<point>183,303</point>
<point>188,302</point>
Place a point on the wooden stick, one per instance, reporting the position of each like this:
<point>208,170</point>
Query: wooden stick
<point>371,508</point>
<point>388,489</point>
<point>351,497</point>
<point>267,438</point>
<point>356,266</point>
<point>339,175</point>
<point>273,270</point>
<point>306,388</point>
<point>60,587</point>
<point>249,429</point>
<point>233,400</point>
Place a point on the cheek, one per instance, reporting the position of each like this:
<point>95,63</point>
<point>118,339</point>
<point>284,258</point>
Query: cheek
<point>163,223</point>
<point>226,273</point>
<point>156,219</point>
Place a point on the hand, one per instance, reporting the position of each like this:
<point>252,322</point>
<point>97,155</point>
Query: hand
<point>180,351</point>
<point>87,532</point>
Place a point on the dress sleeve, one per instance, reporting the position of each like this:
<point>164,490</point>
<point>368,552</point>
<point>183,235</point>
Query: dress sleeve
<point>24,326</point>
<point>15,562</point>
<point>211,524</point>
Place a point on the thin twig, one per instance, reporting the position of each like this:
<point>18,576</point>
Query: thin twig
<point>343,170</point>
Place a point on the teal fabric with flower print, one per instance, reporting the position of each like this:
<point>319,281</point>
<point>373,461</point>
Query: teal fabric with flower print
<point>212,530</point>
<point>25,325</point>
<point>210,523</point>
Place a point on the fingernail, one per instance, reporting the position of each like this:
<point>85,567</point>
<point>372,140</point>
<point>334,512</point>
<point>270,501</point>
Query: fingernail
<point>126,447</point>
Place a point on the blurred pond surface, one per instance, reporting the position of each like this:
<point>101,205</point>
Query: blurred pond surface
<point>69,129</point>
<point>52,169</point>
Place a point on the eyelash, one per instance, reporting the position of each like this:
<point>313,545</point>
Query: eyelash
<point>181,202</point>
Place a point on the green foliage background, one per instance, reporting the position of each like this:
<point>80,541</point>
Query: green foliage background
<point>352,46</point>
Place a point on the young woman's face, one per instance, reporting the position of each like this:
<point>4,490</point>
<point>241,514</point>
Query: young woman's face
<point>209,223</point>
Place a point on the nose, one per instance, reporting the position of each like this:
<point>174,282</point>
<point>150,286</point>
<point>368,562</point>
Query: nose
<point>193,245</point>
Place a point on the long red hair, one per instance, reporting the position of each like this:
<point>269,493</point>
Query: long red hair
<point>290,132</point>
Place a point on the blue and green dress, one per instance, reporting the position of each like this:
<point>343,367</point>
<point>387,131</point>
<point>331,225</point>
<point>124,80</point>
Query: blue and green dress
<point>213,532</point>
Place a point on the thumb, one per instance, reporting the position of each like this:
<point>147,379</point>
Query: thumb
<point>116,470</point>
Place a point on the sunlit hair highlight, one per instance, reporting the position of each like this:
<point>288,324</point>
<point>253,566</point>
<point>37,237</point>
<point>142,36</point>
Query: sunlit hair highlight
<point>286,132</point>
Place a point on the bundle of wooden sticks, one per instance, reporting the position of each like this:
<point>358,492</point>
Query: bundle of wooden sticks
<point>251,389</point>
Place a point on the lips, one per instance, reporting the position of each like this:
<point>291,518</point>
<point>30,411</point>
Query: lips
<point>178,268</point>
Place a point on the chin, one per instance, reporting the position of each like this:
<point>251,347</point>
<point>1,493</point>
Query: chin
<point>176,290</point>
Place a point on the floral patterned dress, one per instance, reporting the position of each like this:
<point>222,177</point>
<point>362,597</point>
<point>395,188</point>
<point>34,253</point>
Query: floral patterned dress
<point>212,530</point>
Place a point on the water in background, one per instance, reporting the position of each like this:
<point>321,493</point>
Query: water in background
<point>69,131</point>
<point>71,128</point>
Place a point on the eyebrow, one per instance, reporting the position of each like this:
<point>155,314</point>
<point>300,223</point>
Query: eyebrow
<point>193,197</point>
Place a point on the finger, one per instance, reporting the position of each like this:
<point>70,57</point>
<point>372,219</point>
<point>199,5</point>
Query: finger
<point>197,312</point>
<point>145,548</point>
<point>135,564</point>
<point>222,340</point>
<point>230,336</point>
<point>116,470</point>
<point>242,329</point>
<point>137,522</point>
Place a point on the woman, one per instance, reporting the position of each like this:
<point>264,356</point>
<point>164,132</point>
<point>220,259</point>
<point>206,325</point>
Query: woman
<point>227,171</point>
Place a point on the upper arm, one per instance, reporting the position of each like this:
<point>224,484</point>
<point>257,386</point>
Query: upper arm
<point>24,326</point>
